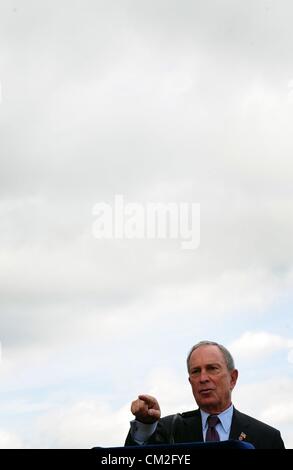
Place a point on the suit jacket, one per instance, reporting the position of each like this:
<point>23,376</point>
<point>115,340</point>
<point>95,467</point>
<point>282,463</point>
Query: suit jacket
<point>187,427</point>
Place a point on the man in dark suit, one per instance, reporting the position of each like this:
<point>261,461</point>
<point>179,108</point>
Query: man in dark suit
<point>212,376</point>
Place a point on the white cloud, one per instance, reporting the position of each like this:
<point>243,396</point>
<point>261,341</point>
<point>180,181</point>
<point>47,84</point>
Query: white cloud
<point>96,422</point>
<point>171,389</point>
<point>290,356</point>
<point>84,424</point>
<point>9,440</point>
<point>269,401</point>
<point>259,344</point>
<point>281,413</point>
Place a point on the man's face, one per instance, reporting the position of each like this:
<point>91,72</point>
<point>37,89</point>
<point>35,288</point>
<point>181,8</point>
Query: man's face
<point>210,379</point>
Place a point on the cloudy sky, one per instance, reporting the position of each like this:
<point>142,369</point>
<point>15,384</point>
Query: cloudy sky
<point>159,101</point>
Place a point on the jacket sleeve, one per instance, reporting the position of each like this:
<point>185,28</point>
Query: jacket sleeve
<point>278,442</point>
<point>162,435</point>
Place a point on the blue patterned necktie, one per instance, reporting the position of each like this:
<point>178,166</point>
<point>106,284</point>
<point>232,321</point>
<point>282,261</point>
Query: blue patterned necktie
<point>212,433</point>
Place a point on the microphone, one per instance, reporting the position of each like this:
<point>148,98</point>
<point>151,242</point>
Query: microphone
<point>172,428</point>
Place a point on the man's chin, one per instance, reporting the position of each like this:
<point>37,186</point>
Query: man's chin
<point>206,396</point>
<point>206,402</point>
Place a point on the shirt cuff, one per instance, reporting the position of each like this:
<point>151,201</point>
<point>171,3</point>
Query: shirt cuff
<point>141,432</point>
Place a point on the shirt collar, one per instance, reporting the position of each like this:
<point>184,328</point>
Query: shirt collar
<point>225,418</point>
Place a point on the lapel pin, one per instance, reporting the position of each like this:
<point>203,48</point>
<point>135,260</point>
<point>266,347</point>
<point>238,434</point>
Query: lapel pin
<point>242,436</point>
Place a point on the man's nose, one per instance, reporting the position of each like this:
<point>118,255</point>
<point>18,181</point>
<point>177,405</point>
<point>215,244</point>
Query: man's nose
<point>203,376</point>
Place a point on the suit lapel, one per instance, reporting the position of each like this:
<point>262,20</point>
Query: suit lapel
<point>239,427</point>
<point>192,430</point>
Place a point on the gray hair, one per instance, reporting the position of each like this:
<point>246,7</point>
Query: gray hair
<point>227,355</point>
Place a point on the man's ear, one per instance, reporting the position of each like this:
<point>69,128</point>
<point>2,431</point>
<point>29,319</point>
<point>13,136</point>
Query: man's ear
<point>234,377</point>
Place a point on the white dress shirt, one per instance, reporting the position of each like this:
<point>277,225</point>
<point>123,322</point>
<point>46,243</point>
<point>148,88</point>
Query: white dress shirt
<point>223,427</point>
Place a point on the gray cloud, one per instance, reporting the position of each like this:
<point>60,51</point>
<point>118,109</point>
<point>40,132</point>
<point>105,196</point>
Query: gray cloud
<point>159,102</point>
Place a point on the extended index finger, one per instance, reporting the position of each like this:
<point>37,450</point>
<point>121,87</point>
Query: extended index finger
<point>148,399</point>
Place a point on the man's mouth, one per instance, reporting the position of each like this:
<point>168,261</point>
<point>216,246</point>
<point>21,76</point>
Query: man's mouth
<point>205,391</point>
